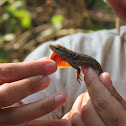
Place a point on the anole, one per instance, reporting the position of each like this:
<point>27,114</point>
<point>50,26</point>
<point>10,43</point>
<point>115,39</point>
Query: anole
<point>67,58</point>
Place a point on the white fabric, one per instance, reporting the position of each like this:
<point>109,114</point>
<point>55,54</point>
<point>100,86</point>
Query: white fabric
<point>105,46</point>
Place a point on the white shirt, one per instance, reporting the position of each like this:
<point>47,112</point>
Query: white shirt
<point>105,46</point>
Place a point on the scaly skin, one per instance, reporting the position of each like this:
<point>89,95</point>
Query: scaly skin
<point>74,59</point>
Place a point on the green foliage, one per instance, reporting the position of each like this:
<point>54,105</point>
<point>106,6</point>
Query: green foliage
<point>95,25</point>
<point>16,19</point>
<point>57,19</point>
<point>1,39</point>
<point>106,3</point>
<point>3,55</point>
<point>16,16</point>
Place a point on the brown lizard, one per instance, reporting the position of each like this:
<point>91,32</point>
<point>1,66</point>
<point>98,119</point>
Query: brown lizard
<point>67,58</point>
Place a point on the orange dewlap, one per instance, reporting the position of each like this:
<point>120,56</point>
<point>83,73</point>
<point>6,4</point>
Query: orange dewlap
<point>60,62</point>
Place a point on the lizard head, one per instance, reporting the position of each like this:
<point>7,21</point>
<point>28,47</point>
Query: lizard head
<point>61,51</point>
<point>57,48</point>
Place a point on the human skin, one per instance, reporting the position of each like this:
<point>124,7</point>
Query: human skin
<point>17,81</point>
<point>11,92</point>
<point>119,6</point>
<point>101,105</point>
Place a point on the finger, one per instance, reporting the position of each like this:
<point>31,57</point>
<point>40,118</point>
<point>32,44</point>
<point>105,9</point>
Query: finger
<point>29,112</point>
<point>11,93</point>
<point>67,116</point>
<point>50,123</point>
<point>106,80</point>
<point>105,104</point>
<point>89,114</point>
<point>16,71</point>
<point>76,118</point>
<point>77,104</point>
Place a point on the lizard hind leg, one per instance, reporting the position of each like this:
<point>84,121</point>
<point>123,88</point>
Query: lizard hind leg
<point>77,71</point>
<point>78,75</point>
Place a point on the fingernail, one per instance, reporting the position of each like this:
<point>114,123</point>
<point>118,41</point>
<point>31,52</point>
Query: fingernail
<point>51,66</point>
<point>45,81</point>
<point>60,99</point>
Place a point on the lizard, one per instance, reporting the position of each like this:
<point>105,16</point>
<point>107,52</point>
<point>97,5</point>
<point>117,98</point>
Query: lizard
<point>67,58</point>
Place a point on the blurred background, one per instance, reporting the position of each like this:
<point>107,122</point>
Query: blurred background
<point>26,24</point>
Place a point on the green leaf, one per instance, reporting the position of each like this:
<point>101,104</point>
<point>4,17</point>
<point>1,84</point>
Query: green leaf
<point>25,18</point>
<point>26,22</point>
<point>57,19</point>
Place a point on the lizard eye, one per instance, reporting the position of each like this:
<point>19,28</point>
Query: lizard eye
<point>58,47</point>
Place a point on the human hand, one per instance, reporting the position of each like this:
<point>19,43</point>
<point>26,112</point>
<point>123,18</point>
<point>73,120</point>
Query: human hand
<point>17,81</point>
<point>101,105</point>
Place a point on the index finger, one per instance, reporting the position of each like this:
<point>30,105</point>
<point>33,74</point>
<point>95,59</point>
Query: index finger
<point>10,72</point>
